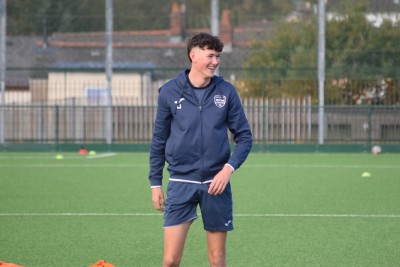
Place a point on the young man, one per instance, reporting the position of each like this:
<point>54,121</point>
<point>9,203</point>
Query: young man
<point>195,111</point>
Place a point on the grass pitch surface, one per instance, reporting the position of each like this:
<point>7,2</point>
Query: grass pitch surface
<point>290,210</point>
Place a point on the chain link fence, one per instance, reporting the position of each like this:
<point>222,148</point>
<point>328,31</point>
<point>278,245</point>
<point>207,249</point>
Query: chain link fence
<point>56,87</point>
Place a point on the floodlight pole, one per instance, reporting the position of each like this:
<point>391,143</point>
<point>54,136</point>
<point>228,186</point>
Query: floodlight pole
<point>109,68</point>
<point>215,21</point>
<point>321,70</point>
<point>3,29</point>
<point>214,17</point>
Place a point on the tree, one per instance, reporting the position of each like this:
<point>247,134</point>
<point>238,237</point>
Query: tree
<point>35,16</point>
<point>359,57</point>
<point>31,17</point>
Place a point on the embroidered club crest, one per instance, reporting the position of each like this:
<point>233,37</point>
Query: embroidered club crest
<point>219,100</point>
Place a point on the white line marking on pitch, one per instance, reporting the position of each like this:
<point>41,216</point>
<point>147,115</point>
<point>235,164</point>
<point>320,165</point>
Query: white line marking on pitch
<point>323,215</point>
<point>83,214</point>
<point>74,165</point>
<point>321,166</point>
<point>55,165</point>
<point>78,214</point>
<point>104,155</point>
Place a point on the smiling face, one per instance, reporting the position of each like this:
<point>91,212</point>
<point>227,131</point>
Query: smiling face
<point>204,63</point>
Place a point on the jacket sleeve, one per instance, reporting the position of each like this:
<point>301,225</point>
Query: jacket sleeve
<point>239,127</point>
<point>162,128</point>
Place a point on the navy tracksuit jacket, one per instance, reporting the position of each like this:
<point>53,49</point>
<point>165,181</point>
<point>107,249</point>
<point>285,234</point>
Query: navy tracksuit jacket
<point>192,137</point>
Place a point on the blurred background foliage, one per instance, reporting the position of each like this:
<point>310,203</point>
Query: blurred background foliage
<point>362,60</point>
<point>355,50</point>
<point>28,17</point>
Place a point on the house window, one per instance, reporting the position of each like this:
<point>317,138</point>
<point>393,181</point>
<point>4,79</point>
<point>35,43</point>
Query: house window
<point>96,96</point>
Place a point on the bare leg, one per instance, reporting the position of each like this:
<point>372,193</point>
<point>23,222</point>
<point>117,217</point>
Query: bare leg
<point>216,243</point>
<point>174,242</point>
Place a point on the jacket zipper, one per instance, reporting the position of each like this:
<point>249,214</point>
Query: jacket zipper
<point>202,143</point>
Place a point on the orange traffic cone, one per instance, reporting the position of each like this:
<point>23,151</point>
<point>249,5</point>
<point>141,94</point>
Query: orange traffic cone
<point>102,263</point>
<point>7,264</point>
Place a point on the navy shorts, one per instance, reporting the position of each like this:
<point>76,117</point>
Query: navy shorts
<point>183,199</point>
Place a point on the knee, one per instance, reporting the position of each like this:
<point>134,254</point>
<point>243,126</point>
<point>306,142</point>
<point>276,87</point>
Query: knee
<point>171,262</point>
<point>217,258</point>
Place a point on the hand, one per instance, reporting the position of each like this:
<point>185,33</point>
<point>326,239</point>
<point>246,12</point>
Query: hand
<point>157,196</point>
<point>220,181</point>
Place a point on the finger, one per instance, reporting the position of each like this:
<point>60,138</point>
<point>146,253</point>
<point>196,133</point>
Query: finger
<point>156,205</point>
<point>211,189</point>
<point>215,190</point>
<point>220,189</point>
<point>161,207</point>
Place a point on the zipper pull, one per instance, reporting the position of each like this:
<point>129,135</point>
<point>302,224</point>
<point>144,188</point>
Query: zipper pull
<point>200,108</point>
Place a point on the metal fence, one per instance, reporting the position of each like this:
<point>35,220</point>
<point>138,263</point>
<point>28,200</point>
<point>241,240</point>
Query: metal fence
<point>56,90</point>
<point>68,107</point>
<point>287,121</point>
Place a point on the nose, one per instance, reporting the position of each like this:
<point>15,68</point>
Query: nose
<point>215,60</point>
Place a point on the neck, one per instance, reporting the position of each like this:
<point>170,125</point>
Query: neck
<point>198,81</point>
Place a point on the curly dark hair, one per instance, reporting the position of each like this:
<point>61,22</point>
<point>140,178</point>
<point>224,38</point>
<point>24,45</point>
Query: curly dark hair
<point>204,40</point>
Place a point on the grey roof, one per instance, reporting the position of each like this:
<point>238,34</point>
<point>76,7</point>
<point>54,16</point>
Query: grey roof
<point>101,65</point>
<point>80,50</point>
<point>27,57</point>
<point>133,58</point>
<point>21,51</point>
<point>155,36</point>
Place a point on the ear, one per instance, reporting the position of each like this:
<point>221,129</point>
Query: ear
<point>192,55</point>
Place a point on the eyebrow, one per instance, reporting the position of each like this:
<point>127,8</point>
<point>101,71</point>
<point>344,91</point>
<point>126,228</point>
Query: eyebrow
<point>210,50</point>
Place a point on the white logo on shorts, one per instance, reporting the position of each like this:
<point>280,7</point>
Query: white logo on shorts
<point>226,224</point>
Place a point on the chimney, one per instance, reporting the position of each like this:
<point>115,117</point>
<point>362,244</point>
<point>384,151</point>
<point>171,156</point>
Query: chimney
<point>176,23</point>
<point>45,35</point>
<point>226,31</point>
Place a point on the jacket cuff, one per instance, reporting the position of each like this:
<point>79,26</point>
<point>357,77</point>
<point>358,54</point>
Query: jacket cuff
<point>155,183</point>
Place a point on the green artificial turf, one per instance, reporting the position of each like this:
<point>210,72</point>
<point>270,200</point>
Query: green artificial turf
<point>290,210</point>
